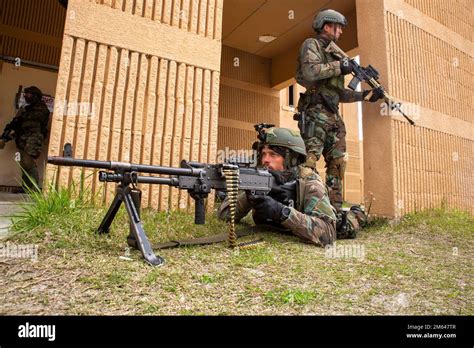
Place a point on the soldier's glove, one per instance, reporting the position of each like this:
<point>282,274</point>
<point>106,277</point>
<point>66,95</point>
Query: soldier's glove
<point>266,207</point>
<point>346,67</point>
<point>373,95</point>
<point>2,144</point>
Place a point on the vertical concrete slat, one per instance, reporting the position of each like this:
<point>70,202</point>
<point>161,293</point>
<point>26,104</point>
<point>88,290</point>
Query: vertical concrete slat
<point>397,166</point>
<point>175,149</point>
<point>218,20</point>
<point>176,13</point>
<point>148,125</point>
<point>185,14</point>
<point>118,4</point>
<point>167,8</point>
<point>158,10</point>
<point>194,16</point>
<point>206,94</point>
<point>197,95</point>
<point>106,119</point>
<point>96,113</point>
<point>129,6</point>
<point>212,148</point>
<point>187,126</point>
<point>168,130</point>
<point>149,9</point>
<point>58,118</point>
<point>155,191</point>
<point>138,8</point>
<point>81,131</point>
<point>202,18</point>
<point>117,112</point>
<point>210,19</point>
<point>138,114</point>
<point>73,99</point>
<point>126,129</point>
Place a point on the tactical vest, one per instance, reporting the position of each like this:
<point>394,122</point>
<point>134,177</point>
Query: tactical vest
<point>329,87</point>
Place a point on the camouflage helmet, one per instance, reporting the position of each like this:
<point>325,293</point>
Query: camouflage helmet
<point>35,91</point>
<point>328,16</point>
<point>285,138</point>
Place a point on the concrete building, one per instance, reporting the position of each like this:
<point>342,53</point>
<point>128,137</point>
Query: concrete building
<point>156,81</point>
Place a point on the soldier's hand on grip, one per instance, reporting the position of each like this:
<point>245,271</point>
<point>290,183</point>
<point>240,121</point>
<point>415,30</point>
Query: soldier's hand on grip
<point>346,67</point>
<point>266,207</point>
<point>373,95</point>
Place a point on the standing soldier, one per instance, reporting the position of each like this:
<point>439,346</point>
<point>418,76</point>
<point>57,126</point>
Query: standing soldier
<point>322,74</point>
<point>29,128</point>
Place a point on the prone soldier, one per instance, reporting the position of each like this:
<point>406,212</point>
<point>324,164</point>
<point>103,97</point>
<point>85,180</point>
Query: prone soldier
<point>311,217</point>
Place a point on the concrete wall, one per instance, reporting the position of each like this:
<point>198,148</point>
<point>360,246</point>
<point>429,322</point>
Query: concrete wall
<point>245,98</point>
<point>425,59</point>
<point>151,80</point>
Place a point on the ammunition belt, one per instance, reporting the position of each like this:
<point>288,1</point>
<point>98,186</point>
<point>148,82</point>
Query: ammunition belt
<point>232,186</point>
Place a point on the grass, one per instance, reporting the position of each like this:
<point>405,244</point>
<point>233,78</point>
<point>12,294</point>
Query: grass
<point>419,264</point>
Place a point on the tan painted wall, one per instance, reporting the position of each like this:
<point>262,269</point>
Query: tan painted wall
<point>428,67</point>
<point>10,78</point>
<point>32,30</point>
<point>151,78</point>
<point>245,98</point>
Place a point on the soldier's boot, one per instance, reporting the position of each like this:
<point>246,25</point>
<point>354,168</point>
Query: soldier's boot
<point>360,214</point>
<point>350,222</point>
<point>30,172</point>
<point>335,170</point>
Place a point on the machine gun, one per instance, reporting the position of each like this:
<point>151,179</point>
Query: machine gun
<point>370,75</point>
<point>197,178</point>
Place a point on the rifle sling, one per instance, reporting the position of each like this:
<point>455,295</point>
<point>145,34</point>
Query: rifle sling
<point>217,238</point>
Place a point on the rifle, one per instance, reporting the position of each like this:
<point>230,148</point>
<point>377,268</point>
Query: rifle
<point>13,126</point>
<point>370,75</point>
<point>197,178</point>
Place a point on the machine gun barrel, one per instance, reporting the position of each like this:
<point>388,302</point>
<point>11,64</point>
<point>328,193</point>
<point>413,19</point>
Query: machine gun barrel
<point>122,166</point>
<point>118,177</point>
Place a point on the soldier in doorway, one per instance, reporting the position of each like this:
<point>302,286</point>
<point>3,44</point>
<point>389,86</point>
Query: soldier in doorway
<point>29,128</point>
<point>323,76</point>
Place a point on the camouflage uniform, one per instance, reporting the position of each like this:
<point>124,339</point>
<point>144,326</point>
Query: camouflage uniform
<point>325,132</point>
<point>323,76</point>
<point>30,131</point>
<point>312,218</point>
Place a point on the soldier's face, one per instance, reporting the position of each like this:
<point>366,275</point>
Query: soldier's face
<point>28,97</point>
<point>271,159</point>
<point>333,30</point>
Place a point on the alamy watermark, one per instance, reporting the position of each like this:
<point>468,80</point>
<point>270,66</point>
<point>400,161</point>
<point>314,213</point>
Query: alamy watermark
<point>76,108</point>
<point>240,155</point>
<point>391,109</point>
<point>19,251</point>
<point>345,251</point>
